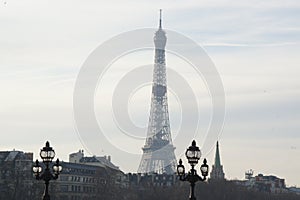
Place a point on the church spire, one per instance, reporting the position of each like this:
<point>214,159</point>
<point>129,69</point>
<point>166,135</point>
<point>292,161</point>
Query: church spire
<point>217,157</point>
<point>160,11</point>
<point>217,172</point>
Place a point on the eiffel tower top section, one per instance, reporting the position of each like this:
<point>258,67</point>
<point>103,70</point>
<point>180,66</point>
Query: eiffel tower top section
<point>160,38</point>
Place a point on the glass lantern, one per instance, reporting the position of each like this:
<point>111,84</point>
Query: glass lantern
<point>204,168</point>
<point>180,168</point>
<point>57,168</point>
<point>37,169</point>
<point>193,154</point>
<point>47,153</point>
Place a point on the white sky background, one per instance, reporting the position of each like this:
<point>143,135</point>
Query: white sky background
<point>255,46</point>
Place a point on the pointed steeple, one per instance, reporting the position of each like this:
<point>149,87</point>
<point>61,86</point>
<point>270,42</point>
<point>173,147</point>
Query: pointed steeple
<point>160,11</point>
<point>217,157</point>
<point>217,172</point>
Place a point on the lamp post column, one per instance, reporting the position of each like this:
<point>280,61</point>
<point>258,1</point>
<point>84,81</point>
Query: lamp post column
<point>192,183</point>
<point>46,195</point>
<point>192,194</point>
<point>47,178</point>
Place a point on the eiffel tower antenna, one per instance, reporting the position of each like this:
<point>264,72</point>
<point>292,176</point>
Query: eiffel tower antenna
<point>160,12</point>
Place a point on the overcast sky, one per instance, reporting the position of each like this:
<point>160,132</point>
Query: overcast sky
<point>254,45</point>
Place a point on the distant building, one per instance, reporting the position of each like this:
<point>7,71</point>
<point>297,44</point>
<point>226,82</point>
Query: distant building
<point>271,184</point>
<point>102,161</point>
<point>151,180</point>
<point>217,172</point>
<point>294,190</point>
<point>85,178</point>
<point>79,181</point>
<point>16,177</point>
<point>249,174</point>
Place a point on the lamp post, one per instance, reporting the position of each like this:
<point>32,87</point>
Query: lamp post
<point>192,154</point>
<point>47,154</point>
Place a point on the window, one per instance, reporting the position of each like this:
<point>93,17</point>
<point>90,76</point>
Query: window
<point>64,188</point>
<point>64,178</point>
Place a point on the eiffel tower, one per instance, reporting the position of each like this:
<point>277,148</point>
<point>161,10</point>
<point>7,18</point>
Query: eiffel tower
<point>158,151</point>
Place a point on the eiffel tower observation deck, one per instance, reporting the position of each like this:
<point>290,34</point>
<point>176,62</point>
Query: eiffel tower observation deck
<point>158,151</point>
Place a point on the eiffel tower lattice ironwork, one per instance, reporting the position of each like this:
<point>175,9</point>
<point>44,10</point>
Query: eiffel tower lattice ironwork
<point>158,151</point>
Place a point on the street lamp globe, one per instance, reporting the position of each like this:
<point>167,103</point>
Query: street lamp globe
<point>57,168</point>
<point>47,153</point>
<point>37,169</point>
<point>193,154</point>
<point>180,168</point>
<point>204,168</point>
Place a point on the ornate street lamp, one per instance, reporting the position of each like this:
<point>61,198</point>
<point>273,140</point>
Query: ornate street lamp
<point>47,154</point>
<point>192,154</point>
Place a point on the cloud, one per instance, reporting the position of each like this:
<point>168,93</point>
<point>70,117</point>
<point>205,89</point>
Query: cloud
<point>249,45</point>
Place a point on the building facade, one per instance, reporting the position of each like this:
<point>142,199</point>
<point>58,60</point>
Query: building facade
<point>78,181</point>
<point>102,161</point>
<point>151,180</point>
<point>16,177</point>
<point>87,178</point>
<point>269,183</point>
<point>262,183</point>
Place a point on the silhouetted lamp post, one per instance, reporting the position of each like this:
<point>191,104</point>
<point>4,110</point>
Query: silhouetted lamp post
<point>47,154</point>
<point>192,154</point>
